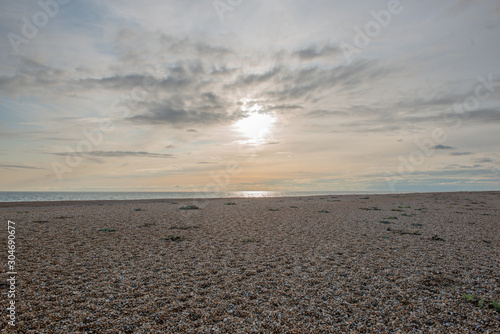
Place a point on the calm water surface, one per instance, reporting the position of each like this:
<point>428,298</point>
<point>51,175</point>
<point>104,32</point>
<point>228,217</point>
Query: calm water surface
<point>33,196</point>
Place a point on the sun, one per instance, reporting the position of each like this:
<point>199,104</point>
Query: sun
<point>255,127</point>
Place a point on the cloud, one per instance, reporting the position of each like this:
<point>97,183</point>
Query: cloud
<point>460,153</point>
<point>18,167</point>
<point>178,113</point>
<point>483,160</point>
<point>326,113</point>
<point>284,106</point>
<point>443,147</point>
<point>116,154</point>
<point>484,116</point>
<point>204,49</point>
<point>117,82</point>
<point>257,78</point>
<point>298,83</point>
<point>313,52</point>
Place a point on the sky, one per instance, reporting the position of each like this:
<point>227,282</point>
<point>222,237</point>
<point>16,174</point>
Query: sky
<point>240,95</point>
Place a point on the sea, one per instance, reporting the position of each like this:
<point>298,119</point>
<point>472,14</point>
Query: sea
<point>35,196</point>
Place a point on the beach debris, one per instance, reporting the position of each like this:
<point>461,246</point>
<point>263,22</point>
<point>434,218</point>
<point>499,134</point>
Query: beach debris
<point>374,208</point>
<point>189,207</point>
<point>273,209</point>
<point>230,203</point>
<point>174,238</point>
<point>107,229</point>
<point>481,302</point>
<point>147,225</point>
<point>403,232</point>
<point>437,238</point>
<point>246,240</point>
<point>184,227</point>
<point>324,211</point>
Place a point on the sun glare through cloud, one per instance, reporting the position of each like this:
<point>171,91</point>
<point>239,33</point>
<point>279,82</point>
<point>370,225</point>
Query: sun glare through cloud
<point>256,127</point>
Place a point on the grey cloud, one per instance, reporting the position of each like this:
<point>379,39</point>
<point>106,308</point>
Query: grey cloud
<point>24,80</point>
<point>456,166</point>
<point>284,106</point>
<point>202,109</point>
<point>484,116</point>
<point>115,82</point>
<point>177,77</point>
<point>18,167</point>
<point>222,70</point>
<point>326,113</point>
<point>478,116</point>
<point>419,102</point>
<point>56,139</point>
<point>129,154</point>
<point>204,48</point>
<point>254,79</point>
<point>313,52</point>
<point>390,120</point>
<point>483,160</point>
<point>180,73</point>
<point>460,153</point>
<point>443,147</point>
<point>167,115</point>
<point>459,170</point>
<point>299,83</point>
<point>114,154</point>
<point>211,98</point>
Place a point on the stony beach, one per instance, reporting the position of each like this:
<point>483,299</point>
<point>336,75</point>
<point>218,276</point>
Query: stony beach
<point>394,263</point>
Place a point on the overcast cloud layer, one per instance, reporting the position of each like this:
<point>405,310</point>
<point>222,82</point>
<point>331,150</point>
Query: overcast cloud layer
<point>362,95</point>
